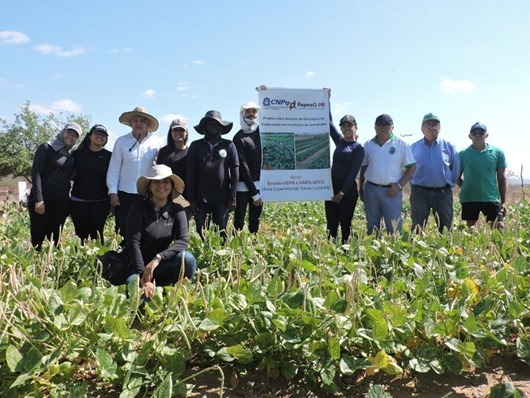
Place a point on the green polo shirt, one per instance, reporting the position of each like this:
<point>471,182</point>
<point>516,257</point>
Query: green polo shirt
<point>479,170</point>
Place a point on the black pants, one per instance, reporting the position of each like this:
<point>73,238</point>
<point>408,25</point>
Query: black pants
<point>341,213</point>
<point>49,224</point>
<point>244,200</point>
<point>121,211</point>
<point>89,218</point>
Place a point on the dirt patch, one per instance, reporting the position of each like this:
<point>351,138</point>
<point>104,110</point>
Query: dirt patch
<point>422,385</point>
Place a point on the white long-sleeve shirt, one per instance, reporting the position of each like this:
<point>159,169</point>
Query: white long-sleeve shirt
<point>130,160</point>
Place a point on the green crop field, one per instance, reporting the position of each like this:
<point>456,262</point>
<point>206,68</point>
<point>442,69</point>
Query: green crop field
<point>286,303</point>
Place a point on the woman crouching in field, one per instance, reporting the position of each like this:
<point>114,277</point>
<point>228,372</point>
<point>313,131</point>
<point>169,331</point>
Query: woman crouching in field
<point>157,235</point>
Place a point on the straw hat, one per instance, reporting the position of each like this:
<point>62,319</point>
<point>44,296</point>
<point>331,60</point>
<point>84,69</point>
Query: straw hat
<point>139,111</point>
<point>159,172</point>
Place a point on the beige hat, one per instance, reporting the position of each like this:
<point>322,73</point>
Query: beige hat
<point>139,111</point>
<point>159,172</point>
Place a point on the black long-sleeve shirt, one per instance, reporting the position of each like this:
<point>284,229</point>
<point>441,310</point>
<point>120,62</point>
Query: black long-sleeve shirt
<point>176,159</point>
<point>212,171</point>
<point>50,173</point>
<point>90,179</point>
<point>249,151</point>
<point>347,159</point>
<point>148,235</point>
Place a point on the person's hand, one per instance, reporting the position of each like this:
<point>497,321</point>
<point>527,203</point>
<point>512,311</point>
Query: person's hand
<point>504,209</point>
<point>149,290</point>
<point>114,199</point>
<point>231,205</point>
<point>258,202</point>
<point>39,207</point>
<point>393,190</point>
<point>338,197</point>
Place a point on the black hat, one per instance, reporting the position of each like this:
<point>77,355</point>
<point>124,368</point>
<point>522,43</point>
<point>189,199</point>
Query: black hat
<point>347,119</point>
<point>215,115</point>
<point>384,118</point>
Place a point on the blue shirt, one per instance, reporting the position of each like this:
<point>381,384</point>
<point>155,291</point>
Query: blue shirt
<point>437,164</point>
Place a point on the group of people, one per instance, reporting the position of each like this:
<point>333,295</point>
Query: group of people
<point>154,190</point>
<point>432,165</point>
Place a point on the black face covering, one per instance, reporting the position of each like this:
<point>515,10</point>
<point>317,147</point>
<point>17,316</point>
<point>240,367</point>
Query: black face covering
<point>212,129</point>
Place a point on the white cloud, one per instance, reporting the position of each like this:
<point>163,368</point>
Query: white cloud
<point>448,86</point>
<point>149,93</point>
<point>65,105</point>
<point>48,49</point>
<point>121,51</point>
<point>310,73</point>
<point>13,37</point>
<point>197,62</point>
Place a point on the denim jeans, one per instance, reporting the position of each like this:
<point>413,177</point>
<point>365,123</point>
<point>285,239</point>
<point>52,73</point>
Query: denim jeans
<point>425,200</point>
<point>168,271</point>
<point>377,205</point>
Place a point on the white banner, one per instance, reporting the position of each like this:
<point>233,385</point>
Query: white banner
<point>294,127</point>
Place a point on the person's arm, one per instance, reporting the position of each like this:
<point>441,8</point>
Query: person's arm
<point>502,183</point>
<point>244,170</point>
<point>455,166</point>
<point>191,175</point>
<point>334,133</point>
<point>37,170</point>
<point>234,175</point>
<point>113,174</point>
<point>362,180</point>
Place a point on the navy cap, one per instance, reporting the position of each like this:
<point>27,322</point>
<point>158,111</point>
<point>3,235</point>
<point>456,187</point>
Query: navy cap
<point>384,118</point>
<point>98,127</point>
<point>347,119</point>
<point>478,126</point>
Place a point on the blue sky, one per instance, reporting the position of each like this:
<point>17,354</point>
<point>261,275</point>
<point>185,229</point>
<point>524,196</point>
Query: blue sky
<point>466,61</point>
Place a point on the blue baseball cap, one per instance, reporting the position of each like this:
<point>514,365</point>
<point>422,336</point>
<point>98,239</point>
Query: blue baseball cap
<point>478,126</point>
<point>384,118</point>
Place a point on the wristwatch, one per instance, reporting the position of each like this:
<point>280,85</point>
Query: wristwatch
<point>158,256</point>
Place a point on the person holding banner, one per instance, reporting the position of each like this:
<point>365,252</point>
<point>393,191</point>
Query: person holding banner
<point>347,159</point>
<point>382,177</point>
<point>212,173</point>
<point>248,144</point>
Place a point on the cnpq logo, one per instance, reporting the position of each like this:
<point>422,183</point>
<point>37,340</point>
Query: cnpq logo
<point>278,103</point>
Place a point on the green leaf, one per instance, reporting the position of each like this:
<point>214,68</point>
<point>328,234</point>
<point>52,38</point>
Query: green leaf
<point>505,390</point>
<point>13,358</point>
<point>165,389</point>
<point>308,265</point>
<point>380,330</point>
<point>289,370</point>
<point>107,366</point>
<point>68,292</point>
<point>208,325</point>
<point>275,286</point>
<point>378,391</point>
<point>516,309</point>
<point>348,365</point>
<point>217,316</point>
<point>334,348</point>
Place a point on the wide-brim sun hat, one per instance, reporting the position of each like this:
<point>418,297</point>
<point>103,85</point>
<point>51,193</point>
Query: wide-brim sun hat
<point>139,111</point>
<point>159,172</point>
<point>226,126</point>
